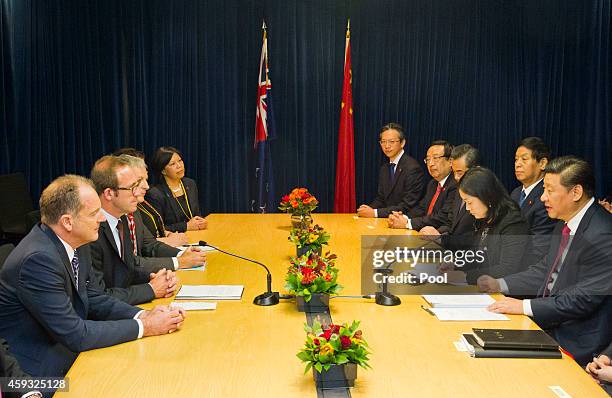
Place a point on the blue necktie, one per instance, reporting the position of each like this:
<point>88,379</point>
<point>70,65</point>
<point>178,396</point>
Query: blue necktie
<point>522,198</point>
<point>391,172</point>
<point>75,269</point>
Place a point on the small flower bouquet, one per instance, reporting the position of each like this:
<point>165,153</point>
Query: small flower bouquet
<point>298,202</point>
<point>312,274</point>
<point>334,351</point>
<point>312,238</point>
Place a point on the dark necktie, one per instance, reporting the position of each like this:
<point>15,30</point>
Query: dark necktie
<point>391,172</point>
<point>522,198</point>
<point>75,268</point>
<point>565,234</point>
<point>433,200</point>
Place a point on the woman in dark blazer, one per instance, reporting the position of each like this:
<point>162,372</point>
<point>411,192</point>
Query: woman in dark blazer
<point>175,197</point>
<point>501,231</point>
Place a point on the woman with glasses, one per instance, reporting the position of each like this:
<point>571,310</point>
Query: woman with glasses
<point>175,197</point>
<point>501,232</point>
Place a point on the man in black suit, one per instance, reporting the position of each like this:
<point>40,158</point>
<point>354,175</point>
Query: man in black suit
<point>149,253</point>
<point>572,283</point>
<point>457,230</point>
<point>434,207</point>
<point>530,160</point>
<point>113,254</point>
<point>401,180</point>
<point>50,310</point>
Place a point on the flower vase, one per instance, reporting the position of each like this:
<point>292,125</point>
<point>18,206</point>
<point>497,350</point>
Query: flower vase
<point>300,251</point>
<point>319,302</point>
<point>338,376</point>
<point>301,221</point>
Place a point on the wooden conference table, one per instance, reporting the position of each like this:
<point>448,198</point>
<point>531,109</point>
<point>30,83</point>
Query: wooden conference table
<point>242,350</point>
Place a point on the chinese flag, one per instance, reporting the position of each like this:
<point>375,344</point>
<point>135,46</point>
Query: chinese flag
<point>344,200</point>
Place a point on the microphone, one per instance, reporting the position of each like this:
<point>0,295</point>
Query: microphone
<point>265,299</point>
<point>385,297</point>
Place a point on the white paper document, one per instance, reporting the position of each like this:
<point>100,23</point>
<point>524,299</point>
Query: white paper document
<point>195,305</point>
<point>200,248</point>
<point>467,314</point>
<point>459,300</point>
<point>210,292</point>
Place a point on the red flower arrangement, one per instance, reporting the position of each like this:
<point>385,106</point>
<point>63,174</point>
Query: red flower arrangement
<point>299,202</point>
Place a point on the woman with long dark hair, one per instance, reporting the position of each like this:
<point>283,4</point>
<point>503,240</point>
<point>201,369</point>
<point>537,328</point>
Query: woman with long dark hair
<point>174,196</point>
<point>501,232</point>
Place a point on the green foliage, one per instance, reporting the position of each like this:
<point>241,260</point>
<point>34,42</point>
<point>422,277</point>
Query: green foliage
<point>312,273</point>
<point>333,344</point>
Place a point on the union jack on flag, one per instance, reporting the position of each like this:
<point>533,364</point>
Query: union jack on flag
<point>264,132</point>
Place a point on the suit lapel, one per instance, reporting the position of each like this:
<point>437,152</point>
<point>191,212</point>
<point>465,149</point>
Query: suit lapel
<point>106,230</point>
<point>61,251</point>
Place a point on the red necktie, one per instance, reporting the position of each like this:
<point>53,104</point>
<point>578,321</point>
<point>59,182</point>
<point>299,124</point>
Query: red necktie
<point>433,200</point>
<point>565,234</point>
<point>132,226</point>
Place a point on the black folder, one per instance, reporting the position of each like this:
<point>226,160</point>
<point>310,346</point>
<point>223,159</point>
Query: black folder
<point>515,339</point>
<point>477,351</point>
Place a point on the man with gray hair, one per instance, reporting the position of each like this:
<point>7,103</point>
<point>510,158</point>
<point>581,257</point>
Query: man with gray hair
<point>457,230</point>
<point>49,309</point>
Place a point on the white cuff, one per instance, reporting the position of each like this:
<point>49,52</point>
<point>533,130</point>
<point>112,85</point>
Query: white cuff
<point>175,262</point>
<point>408,222</point>
<point>140,325</point>
<point>29,394</point>
<point>503,286</point>
<point>376,213</point>
<point>527,308</point>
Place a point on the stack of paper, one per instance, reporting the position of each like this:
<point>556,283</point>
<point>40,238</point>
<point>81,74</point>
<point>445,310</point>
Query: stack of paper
<point>210,292</point>
<point>467,314</point>
<point>463,307</point>
<point>459,300</point>
<point>195,305</point>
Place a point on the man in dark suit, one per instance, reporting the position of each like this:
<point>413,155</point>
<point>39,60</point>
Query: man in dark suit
<point>49,308</point>
<point>572,283</point>
<point>457,230</point>
<point>434,207</point>
<point>530,160</point>
<point>151,254</point>
<point>401,180</point>
<point>113,254</point>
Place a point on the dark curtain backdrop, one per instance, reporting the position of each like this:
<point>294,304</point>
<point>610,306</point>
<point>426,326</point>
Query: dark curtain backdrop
<point>81,78</point>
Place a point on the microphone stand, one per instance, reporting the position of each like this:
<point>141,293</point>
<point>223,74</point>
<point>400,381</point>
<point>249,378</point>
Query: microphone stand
<point>268,297</point>
<point>385,297</point>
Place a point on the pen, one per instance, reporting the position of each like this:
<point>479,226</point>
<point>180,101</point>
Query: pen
<point>427,310</point>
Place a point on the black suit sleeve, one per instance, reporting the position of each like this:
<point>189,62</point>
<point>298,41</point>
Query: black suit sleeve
<point>411,191</point>
<point>154,255</point>
<point>134,294</point>
<point>158,199</point>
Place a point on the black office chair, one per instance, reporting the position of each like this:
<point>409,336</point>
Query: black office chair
<point>15,204</point>
<point>5,250</point>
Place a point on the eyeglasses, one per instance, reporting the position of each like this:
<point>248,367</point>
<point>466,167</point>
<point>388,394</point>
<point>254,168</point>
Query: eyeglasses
<point>390,142</point>
<point>433,159</point>
<point>134,188</point>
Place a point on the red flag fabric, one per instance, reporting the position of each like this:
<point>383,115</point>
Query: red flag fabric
<point>344,200</point>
